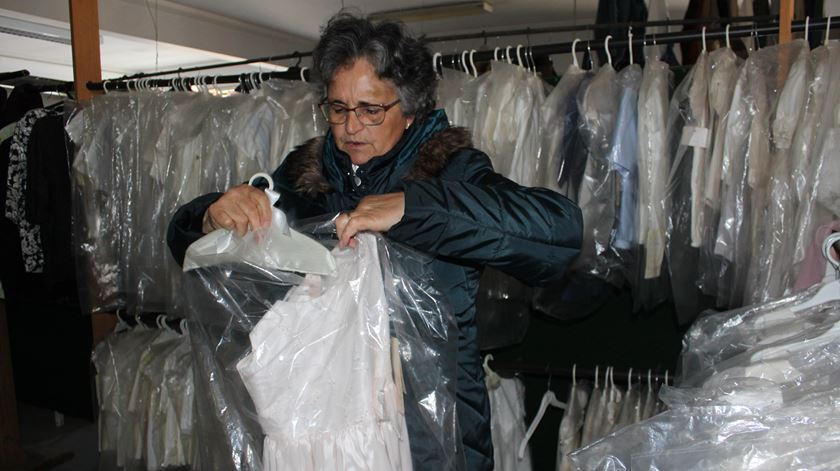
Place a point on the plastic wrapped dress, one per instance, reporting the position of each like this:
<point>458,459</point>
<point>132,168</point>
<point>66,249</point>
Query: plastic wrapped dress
<point>456,93</point>
<point>299,100</point>
<point>571,425</point>
<point>724,66</point>
<point>320,373</point>
<point>766,86</point>
<point>654,165</point>
<point>559,118</point>
<point>688,138</point>
<point>770,277</point>
<point>598,105</point>
<point>507,426</point>
<point>806,145</point>
<point>624,158</point>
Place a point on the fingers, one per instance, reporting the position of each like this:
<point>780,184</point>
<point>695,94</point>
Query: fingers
<point>346,228</point>
<point>241,208</point>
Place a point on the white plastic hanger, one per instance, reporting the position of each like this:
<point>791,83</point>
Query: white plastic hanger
<point>607,49</point>
<point>493,380</point>
<point>703,35</point>
<point>548,399</point>
<point>829,291</point>
<point>574,53</point>
<point>464,62</point>
<point>507,54</point>
<point>518,55</point>
<point>472,63</point>
<point>278,247</point>
<point>630,43</point>
<point>807,26</point>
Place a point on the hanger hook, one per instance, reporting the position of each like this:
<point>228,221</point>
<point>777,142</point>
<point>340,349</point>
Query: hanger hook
<point>827,30</point>
<point>666,377</point>
<point>472,63</point>
<point>574,52</point>
<point>650,378</point>
<point>596,375</point>
<point>464,61</point>
<point>630,44</point>
<point>487,359</point>
<point>303,74</point>
<point>807,25</point>
<point>703,35</point>
<point>518,56</point>
<point>496,53</point>
<point>630,378</point>
<point>434,62</point>
<point>574,373</point>
<point>507,54</point>
<point>105,86</point>
<point>607,49</point>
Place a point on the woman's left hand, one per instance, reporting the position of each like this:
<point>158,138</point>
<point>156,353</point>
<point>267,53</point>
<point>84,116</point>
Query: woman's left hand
<point>374,213</point>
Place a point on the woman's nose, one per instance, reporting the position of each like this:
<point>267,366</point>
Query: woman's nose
<point>353,124</point>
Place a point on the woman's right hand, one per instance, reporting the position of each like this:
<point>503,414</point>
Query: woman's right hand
<point>240,208</point>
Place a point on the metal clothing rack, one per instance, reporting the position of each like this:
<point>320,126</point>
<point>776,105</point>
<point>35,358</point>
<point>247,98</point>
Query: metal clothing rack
<point>294,73</point>
<point>580,372</point>
<point>247,81</point>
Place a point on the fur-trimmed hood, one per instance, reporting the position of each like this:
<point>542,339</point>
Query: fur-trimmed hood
<point>305,165</point>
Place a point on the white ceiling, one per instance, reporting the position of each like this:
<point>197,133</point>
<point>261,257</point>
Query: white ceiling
<point>306,18</point>
<point>127,53</point>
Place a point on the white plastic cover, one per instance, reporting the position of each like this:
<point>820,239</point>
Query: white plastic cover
<point>236,306</point>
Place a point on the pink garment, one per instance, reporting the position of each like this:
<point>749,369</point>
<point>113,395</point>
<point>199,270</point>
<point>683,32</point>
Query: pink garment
<point>813,267</point>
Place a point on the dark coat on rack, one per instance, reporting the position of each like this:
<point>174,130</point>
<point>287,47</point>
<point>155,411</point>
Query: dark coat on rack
<point>457,209</point>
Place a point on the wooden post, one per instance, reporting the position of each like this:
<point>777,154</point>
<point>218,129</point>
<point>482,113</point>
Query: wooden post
<point>87,67</point>
<point>84,30</point>
<point>785,19</point>
<point>11,452</point>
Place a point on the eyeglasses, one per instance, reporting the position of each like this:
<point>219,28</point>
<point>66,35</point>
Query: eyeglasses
<point>369,115</point>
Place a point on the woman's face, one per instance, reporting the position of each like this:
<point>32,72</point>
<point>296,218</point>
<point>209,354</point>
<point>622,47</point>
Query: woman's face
<point>358,85</point>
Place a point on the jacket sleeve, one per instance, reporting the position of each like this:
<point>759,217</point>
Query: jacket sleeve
<point>532,234</point>
<point>185,226</point>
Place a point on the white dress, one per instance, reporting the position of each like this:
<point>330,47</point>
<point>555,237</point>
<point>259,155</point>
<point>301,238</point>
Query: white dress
<point>320,373</point>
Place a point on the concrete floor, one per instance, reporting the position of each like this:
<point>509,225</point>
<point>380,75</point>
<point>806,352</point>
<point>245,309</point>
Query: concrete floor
<point>71,446</point>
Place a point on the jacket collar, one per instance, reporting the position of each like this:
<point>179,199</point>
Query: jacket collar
<point>318,166</point>
<point>380,174</point>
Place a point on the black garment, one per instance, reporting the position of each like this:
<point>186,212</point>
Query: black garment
<point>457,209</point>
<point>48,201</point>
<point>50,339</point>
<point>620,11</point>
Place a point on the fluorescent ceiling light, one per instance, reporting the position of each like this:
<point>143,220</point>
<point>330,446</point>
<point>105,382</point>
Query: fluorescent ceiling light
<point>30,29</point>
<point>435,12</point>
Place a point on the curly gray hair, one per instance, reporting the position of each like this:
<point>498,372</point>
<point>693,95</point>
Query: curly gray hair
<point>396,56</point>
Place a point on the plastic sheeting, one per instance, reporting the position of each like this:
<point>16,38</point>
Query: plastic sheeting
<point>228,303</point>
<point>174,146</point>
<point>721,437</point>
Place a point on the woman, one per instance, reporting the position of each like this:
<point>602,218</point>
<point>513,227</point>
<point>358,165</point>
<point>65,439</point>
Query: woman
<point>390,163</point>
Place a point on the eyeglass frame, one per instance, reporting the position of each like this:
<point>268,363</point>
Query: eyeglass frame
<point>385,108</point>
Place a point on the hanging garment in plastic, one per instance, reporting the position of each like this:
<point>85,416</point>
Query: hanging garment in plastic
<point>723,66</point>
<point>320,373</point>
<point>145,390</point>
<point>507,406</point>
<point>623,156</point>
<point>569,437</point>
<point>770,277</point>
<point>456,93</point>
<point>559,116</point>
<point>227,302</point>
<point>176,145</point>
<point>598,105</point>
<point>654,164</point>
<point>688,136</point>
